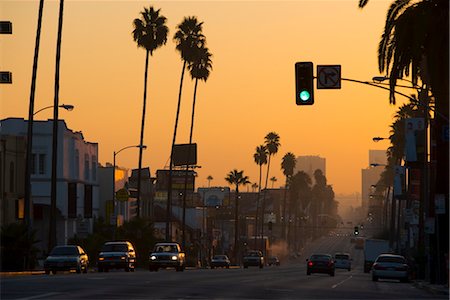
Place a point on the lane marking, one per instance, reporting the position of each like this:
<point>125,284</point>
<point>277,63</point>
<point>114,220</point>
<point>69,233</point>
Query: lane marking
<point>40,296</point>
<point>338,284</point>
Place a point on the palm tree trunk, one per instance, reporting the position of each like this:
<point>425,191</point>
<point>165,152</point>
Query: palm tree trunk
<point>187,167</point>
<point>263,207</point>
<point>169,188</point>
<point>141,141</point>
<point>283,228</point>
<point>52,232</point>
<point>28,200</point>
<point>257,204</point>
<point>236,225</point>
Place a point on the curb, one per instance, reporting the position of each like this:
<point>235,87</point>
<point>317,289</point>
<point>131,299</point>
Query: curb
<point>434,289</point>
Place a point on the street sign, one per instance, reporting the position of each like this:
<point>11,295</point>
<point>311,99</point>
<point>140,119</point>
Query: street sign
<point>5,77</point>
<point>328,76</point>
<point>122,195</point>
<point>5,27</point>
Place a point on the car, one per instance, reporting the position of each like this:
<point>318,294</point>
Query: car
<point>390,266</point>
<point>273,261</point>
<point>220,261</point>
<point>253,258</point>
<point>342,261</point>
<point>320,263</point>
<point>66,258</point>
<point>167,255</point>
<point>117,255</point>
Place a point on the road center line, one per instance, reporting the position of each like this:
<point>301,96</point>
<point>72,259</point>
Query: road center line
<point>338,284</point>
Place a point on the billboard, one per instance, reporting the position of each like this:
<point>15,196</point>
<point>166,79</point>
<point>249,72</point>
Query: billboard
<point>216,196</point>
<point>184,154</point>
<point>178,180</point>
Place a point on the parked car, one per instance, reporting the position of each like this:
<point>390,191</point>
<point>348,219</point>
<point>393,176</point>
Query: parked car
<point>343,261</point>
<point>66,258</point>
<point>273,261</point>
<point>220,261</point>
<point>253,258</point>
<point>117,255</point>
<point>320,263</point>
<point>390,266</point>
<point>167,255</point>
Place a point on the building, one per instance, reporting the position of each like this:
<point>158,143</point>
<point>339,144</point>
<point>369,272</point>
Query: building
<point>77,178</point>
<point>309,164</point>
<point>370,177</point>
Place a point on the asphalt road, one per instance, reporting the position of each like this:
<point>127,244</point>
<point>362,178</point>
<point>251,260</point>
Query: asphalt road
<point>289,281</point>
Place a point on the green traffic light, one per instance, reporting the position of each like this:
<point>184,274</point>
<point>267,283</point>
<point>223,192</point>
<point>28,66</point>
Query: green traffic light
<point>305,95</point>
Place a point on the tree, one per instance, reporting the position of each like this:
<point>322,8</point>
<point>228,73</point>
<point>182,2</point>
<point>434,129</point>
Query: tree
<point>188,39</point>
<point>287,165</point>
<point>209,178</point>
<point>272,143</point>
<point>273,179</point>
<point>17,244</point>
<point>260,158</point>
<point>236,178</point>
<point>150,33</point>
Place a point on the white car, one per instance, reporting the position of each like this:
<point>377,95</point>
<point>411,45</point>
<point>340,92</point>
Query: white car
<point>390,266</point>
<point>342,261</point>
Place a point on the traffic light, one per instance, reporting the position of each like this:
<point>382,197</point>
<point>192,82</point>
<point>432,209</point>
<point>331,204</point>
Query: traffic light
<point>304,83</point>
<point>356,230</point>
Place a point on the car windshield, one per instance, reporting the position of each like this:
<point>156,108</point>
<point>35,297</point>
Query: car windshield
<point>253,254</point>
<point>115,248</point>
<point>220,257</point>
<point>320,257</point>
<point>391,259</point>
<point>165,248</point>
<point>64,251</point>
<point>341,256</point>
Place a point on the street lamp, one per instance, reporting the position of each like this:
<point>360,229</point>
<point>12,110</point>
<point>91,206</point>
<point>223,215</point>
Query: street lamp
<point>114,174</point>
<point>27,185</point>
<point>377,139</point>
<point>67,107</point>
<point>377,165</point>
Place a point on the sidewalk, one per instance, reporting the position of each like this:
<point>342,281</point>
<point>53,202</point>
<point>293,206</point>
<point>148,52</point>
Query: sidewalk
<point>436,289</point>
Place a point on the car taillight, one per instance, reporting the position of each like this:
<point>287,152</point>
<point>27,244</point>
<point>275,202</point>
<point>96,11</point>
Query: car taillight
<point>330,263</point>
<point>310,264</point>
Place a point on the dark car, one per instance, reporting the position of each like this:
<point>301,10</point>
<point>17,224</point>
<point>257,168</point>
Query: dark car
<point>117,255</point>
<point>220,261</point>
<point>273,261</point>
<point>320,263</point>
<point>253,258</point>
<point>66,258</point>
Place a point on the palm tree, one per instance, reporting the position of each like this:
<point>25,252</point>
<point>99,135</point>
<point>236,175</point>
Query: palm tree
<point>288,165</point>
<point>150,33</point>
<point>189,39</point>
<point>272,143</point>
<point>260,158</point>
<point>236,178</point>
<point>273,179</point>
<point>209,178</point>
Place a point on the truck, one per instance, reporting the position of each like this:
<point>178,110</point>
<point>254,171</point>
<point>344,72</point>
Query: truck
<point>373,248</point>
<point>167,255</point>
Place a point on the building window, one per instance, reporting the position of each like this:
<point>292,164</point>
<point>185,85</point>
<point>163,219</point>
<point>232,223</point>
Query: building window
<point>86,167</point>
<point>42,163</point>
<point>20,208</point>
<point>88,201</point>
<point>72,200</point>
<point>33,163</point>
<point>77,164</point>
<point>94,168</point>
<point>11,177</point>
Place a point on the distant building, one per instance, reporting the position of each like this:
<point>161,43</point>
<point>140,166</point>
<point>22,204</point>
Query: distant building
<point>77,178</point>
<point>309,164</point>
<point>371,175</point>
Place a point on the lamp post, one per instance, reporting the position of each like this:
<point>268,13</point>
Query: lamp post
<point>114,178</point>
<point>67,107</point>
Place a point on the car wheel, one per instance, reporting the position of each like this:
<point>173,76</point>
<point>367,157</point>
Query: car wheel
<point>212,267</point>
<point>374,278</point>
<point>47,272</point>
<point>100,269</point>
<point>349,269</point>
<point>332,274</point>
<point>53,272</point>
<point>228,267</point>
<point>85,270</point>
<point>245,266</point>
<point>261,266</point>
<point>404,279</point>
<point>308,273</point>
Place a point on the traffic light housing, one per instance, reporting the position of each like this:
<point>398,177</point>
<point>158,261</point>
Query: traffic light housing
<point>304,83</point>
<point>356,230</point>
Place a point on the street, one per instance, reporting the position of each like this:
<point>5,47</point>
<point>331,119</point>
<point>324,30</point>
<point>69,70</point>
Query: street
<point>288,281</point>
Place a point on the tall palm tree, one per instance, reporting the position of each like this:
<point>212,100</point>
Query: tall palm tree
<point>272,143</point>
<point>200,69</point>
<point>150,33</point>
<point>288,165</point>
<point>209,178</point>
<point>188,39</point>
<point>236,178</point>
<point>260,158</point>
<point>273,179</point>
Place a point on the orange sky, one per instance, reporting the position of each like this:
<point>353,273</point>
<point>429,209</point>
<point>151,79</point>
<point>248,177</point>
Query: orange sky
<point>250,92</point>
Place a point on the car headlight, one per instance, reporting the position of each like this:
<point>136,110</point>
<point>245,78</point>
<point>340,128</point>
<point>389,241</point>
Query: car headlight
<point>101,258</point>
<point>174,257</point>
<point>152,257</point>
<point>122,257</point>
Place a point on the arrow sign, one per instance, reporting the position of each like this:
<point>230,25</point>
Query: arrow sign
<point>328,76</point>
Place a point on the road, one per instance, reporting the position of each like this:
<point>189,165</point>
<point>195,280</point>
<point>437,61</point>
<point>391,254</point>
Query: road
<point>288,281</point>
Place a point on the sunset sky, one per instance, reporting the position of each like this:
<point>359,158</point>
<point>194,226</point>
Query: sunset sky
<point>249,93</point>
